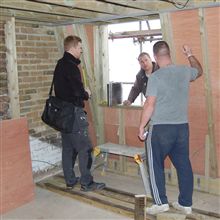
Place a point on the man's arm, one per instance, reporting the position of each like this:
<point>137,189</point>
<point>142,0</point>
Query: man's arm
<point>135,91</point>
<point>147,112</point>
<point>192,60</point>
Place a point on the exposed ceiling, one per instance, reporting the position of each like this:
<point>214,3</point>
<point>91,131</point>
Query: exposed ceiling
<point>62,12</point>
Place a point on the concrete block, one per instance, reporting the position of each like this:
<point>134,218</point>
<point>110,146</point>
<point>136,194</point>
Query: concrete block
<point>170,216</point>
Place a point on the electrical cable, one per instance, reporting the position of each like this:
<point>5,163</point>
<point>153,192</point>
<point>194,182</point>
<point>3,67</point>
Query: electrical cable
<point>175,3</point>
<point>42,161</point>
<point>180,7</point>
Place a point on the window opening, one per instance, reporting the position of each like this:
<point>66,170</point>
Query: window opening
<point>126,42</point>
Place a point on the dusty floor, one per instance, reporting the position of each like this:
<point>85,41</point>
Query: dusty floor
<point>49,205</point>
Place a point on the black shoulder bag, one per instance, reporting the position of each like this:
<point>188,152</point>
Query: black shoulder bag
<point>58,114</point>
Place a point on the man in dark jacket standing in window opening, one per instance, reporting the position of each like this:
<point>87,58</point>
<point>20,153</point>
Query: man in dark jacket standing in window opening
<point>140,85</point>
<point>68,86</point>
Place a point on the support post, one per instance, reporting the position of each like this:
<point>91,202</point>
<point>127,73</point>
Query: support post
<point>167,36</point>
<point>139,209</point>
<point>11,67</point>
<point>121,134</point>
<point>101,66</point>
<point>213,167</point>
<point>91,82</point>
<point>59,33</point>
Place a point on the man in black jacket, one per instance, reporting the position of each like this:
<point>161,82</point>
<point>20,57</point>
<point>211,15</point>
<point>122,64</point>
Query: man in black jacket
<point>140,84</point>
<point>68,86</point>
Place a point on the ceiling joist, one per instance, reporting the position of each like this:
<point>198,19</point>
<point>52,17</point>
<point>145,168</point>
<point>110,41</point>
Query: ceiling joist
<point>64,12</point>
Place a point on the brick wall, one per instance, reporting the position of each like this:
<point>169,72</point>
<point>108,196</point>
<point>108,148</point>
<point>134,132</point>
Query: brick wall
<point>37,54</point>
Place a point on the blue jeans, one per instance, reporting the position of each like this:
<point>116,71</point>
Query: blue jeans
<point>75,144</point>
<point>169,140</point>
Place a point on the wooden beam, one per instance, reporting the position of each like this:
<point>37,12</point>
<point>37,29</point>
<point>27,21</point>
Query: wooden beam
<point>167,36</point>
<point>141,33</point>
<point>44,8</point>
<point>167,31</point>
<point>11,66</point>
<point>213,168</point>
<point>121,138</point>
<point>59,33</point>
<point>92,84</point>
<point>101,60</point>
<point>207,163</point>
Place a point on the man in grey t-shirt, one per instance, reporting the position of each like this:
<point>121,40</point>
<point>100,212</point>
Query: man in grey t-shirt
<point>166,107</point>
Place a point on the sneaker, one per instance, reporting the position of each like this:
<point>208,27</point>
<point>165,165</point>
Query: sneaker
<point>185,209</point>
<point>155,209</point>
<point>92,186</point>
<point>71,186</point>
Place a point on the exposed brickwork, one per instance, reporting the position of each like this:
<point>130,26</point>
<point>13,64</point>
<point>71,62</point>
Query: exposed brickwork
<point>37,55</point>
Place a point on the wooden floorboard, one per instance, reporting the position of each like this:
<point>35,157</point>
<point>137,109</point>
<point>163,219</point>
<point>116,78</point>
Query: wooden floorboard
<point>112,199</point>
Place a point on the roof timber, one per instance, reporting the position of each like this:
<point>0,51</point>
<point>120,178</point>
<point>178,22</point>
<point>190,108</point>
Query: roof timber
<point>64,12</point>
<point>50,9</point>
<point>70,7</point>
<point>140,33</point>
<point>101,6</point>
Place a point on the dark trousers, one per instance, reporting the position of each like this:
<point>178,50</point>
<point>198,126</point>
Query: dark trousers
<point>173,141</point>
<point>78,144</point>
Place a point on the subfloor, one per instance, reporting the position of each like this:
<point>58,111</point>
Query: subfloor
<point>49,205</point>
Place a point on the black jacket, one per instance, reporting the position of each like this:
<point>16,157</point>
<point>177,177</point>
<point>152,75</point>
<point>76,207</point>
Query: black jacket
<point>140,84</point>
<point>68,84</point>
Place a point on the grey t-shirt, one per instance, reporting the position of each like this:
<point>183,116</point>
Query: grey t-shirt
<point>170,85</point>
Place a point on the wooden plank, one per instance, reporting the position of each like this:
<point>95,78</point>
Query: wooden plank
<point>108,192</point>
<point>121,134</point>
<point>114,200</point>
<point>11,66</point>
<point>101,68</point>
<point>140,204</point>
<point>92,198</point>
<point>131,34</point>
<point>166,28</point>
<point>101,60</point>
<point>92,84</point>
<point>59,33</point>
<point>213,167</point>
<point>207,165</point>
<point>124,150</point>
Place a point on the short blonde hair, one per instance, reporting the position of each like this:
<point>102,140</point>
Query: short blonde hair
<point>71,41</point>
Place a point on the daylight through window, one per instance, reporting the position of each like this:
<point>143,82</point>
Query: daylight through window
<point>126,42</point>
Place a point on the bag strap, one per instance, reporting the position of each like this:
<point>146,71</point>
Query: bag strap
<point>51,87</point>
<point>52,83</point>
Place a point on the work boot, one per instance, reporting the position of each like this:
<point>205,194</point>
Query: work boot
<point>92,187</point>
<point>185,209</point>
<point>71,186</point>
